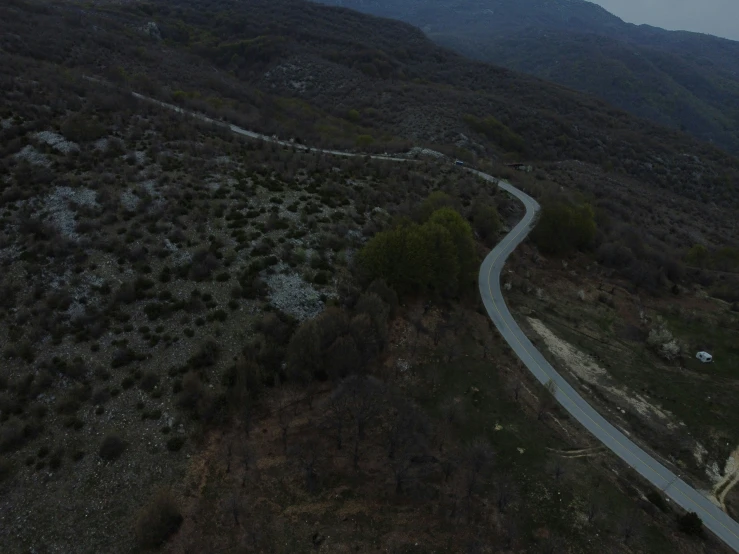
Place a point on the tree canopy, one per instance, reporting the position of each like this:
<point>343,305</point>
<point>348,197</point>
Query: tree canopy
<point>563,228</point>
<point>436,257</point>
<point>486,220</point>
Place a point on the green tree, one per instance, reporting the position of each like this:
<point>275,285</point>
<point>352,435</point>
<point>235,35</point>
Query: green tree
<point>464,243</point>
<point>486,221</point>
<point>364,141</point>
<point>563,228</point>
<point>384,257</point>
<point>434,201</point>
<point>353,116</point>
<point>304,356</point>
<point>690,524</point>
<point>497,132</point>
<point>698,256</point>
<point>435,258</point>
<point>432,258</point>
<point>726,259</point>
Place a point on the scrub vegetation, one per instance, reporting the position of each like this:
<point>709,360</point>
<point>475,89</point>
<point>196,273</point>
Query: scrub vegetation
<point>212,342</point>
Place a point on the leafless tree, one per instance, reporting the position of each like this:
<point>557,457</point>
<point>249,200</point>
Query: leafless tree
<point>363,403</point>
<point>307,455</point>
<point>510,532</point>
<point>504,494</point>
<point>451,349</point>
<point>478,460</point>
<point>593,509</point>
<point>553,545</point>
<point>452,412</point>
<point>546,400</point>
<point>335,418</point>
<point>558,468</point>
<point>416,320</point>
<point>406,434</point>
<point>284,419</point>
<point>517,389</point>
<point>402,425</point>
<point>449,466</point>
<point>246,414</point>
<point>438,333</point>
<point>235,507</point>
<point>629,528</point>
<point>246,457</point>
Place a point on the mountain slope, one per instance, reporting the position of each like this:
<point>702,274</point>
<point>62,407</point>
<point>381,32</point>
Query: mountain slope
<point>338,78</point>
<point>149,259</point>
<point>680,79</point>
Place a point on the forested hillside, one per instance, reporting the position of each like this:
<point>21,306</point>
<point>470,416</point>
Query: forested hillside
<point>683,80</point>
<point>334,76</point>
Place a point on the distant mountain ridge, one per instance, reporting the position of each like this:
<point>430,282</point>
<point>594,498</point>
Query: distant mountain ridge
<point>681,79</point>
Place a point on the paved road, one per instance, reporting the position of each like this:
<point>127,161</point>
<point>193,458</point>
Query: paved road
<point>257,136</point>
<point>675,488</point>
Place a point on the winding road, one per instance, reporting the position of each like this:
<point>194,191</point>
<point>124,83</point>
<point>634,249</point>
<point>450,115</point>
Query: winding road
<point>647,466</point>
<point>672,486</point>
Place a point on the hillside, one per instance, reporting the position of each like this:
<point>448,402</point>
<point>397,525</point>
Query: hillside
<point>341,76</point>
<point>204,346</point>
<point>684,80</point>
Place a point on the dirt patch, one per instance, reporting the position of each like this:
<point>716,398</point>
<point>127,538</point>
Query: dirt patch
<point>728,481</point>
<point>592,374</point>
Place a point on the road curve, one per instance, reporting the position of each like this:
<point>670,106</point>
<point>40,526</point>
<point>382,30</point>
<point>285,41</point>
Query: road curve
<point>489,281</point>
<point>675,488</point>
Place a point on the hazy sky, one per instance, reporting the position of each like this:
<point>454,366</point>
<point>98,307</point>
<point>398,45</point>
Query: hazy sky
<point>715,17</point>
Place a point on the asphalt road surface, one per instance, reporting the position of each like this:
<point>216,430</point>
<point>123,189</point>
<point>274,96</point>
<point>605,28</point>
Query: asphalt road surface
<point>672,486</point>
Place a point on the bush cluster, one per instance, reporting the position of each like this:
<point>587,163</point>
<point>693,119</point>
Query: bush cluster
<point>564,228</point>
<point>437,257</point>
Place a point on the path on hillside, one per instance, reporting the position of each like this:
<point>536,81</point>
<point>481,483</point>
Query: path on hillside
<point>489,281</point>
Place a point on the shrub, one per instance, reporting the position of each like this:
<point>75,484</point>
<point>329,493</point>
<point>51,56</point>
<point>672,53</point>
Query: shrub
<point>149,381</point>
<point>698,256</point>
<point>437,257</point>
<point>690,524</point>
<point>80,128</point>
<point>434,201</point>
<point>157,521</point>
<point>122,357</point>
<point>206,356</point>
<point>174,444</point>
<point>112,448</point>
<point>461,234</point>
<point>219,315</point>
<point>191,391</point>
<point>321,278</point>
<point>387,294</point>
<point>497,132</point>
<point>342,358</point>
<point>658,500</point>
<point>486,221</point>
<point>661,340</point>
<point>6,470</point>
<point>563,228</point>
<point>154,310</point>
<point>154,415</point>
<point>364,141</point>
